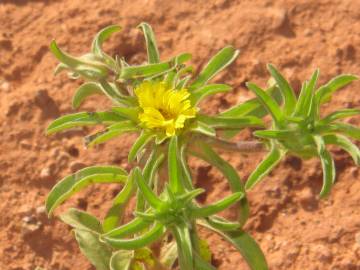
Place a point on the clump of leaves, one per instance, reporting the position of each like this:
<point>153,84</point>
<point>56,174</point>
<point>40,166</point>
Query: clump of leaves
<point>159,101</point>
<point>298,128</point>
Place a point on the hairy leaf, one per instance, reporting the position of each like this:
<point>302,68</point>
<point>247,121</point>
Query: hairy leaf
<point>216,64</point>
<point>81,179</point>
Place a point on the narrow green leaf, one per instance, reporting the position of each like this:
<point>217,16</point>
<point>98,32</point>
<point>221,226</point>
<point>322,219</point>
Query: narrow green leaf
<point>121,260</point>
<point>97,253</point>
<point>155,233</point>
<point>199,94</point>
<point>182,83</point>
<point>207,154</point>
<point>86,66</point>
<point>222,224</point>
<point>252,107</point>
<point>151,167</point>
<point>339,115</point>
<point>185,250</point>
<point>139,145</point>
<point>151,46</point>
<point>274,134</point>
<point>128,113</point>
<point>82,119</point>
<point>134,226</point>
<point>287,91</point>
<point>216,64</point>
<point>345,144</point>
<point>268,102</point>
<point>201,264</point>
<point>134,72</point>
<point>148,194</point>
<point>81,179</point>
<point>328,166</point>
<point>186,174</point>
<point>303,106</point>
<point>231,122</point>
<point>116,212</point>
<point>100,38</point>
<point>345,129</point>
<point>81,220</point>
<point>202,212</point>
<point>203,128</point>
<point>246,245</point>
<point>111,91</point>
<point>269,162</point>
<point>85,90</point>
<point>109,133</point>
<point>173,163</point>
<point>324,93</point>
<point>189,196</point>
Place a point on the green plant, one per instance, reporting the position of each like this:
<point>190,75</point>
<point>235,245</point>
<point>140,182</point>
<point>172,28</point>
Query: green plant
<point>159,101</point>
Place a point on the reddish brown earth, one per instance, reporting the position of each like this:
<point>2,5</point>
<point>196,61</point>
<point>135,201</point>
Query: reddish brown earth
<point>294,228</point>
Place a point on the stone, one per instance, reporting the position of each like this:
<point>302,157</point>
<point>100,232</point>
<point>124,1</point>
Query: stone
<point>45,173</point>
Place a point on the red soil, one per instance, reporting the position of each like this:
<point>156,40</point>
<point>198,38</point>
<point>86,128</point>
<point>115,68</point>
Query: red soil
<point>295,229</point>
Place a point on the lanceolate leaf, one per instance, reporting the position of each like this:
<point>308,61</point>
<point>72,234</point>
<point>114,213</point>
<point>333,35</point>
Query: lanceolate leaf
<point>173,163</point>
<point>216,64</point>
<point>151,46</point>
<point>81,220</point>
<point>84,91</point>
<point>269,162</point>
<point>324,93</point>
<point>97,252</point>
<point>246,245</point>
<point>201,264</point>
<point>138,242</point>
<point>210,156</point>
<point>328,166</point>
<point>82,119</point>
<point>345,144</point>
<point>134,226</point>
<point>203,128</point>
<point>185,251</point>
<point>75,182</point>
<point>199,94</point>
<point>128,113</point>
<point>148,194</point>
<point>268,102</point>
<point>121,260</point>
<point>87,66</point>
<point>111,132</point>
<point>231,122</point>
<point>253,107</point>
<point>119,203</point>
<point>139,145</point>
<point>133,72</point>
<point>304,103</point>
<point>340,115</point>
<point>274,134</point>
<point>201,212</point>
<point>345,129</point>
<point>99,39</point>
<point>287,91</point>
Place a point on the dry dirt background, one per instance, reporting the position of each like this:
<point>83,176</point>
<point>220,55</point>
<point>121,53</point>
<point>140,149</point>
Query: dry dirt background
<point>294,228</point>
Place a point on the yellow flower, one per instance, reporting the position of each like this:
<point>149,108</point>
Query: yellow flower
<point>163,107</point>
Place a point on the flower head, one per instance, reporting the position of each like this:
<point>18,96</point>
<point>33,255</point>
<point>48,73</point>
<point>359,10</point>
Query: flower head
<point>163,107</point>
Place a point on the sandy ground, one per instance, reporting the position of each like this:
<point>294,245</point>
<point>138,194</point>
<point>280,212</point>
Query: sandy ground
<point>294,228</point>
